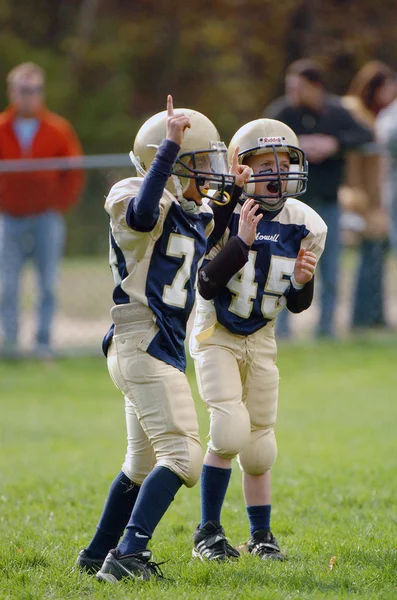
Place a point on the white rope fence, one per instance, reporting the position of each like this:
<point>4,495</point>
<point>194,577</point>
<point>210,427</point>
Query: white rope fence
<point>98,161</point>
<point>94,161</point>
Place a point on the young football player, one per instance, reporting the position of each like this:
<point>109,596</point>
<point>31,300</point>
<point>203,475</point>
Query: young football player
<point>243,286</point>
<point>159,227</point>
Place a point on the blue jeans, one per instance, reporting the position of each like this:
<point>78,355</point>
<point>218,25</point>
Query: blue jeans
<point>368,303</point>
<point>40,237</point>
<point>328,269</point>
<point>393,222</point>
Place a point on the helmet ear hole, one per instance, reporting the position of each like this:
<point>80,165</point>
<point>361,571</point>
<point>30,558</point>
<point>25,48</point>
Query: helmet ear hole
<point>294,186</point>
<point>250,188</point>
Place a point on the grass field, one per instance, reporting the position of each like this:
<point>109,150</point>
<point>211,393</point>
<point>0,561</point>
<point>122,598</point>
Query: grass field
<point>335,483</point>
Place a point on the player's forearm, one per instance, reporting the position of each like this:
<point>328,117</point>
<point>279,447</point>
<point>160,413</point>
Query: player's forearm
<point>143,210</point>
<point>222,216</point>
<point>216,273</point>
<point>300,300</point>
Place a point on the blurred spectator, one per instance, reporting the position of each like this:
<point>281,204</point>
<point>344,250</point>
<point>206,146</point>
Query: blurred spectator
<point>32,203</point>
<point>326,130</point>
<point>386,134</point>
<point>372,89</point>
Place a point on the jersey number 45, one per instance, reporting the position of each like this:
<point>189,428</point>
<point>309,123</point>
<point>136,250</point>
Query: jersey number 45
<point>245,289</point>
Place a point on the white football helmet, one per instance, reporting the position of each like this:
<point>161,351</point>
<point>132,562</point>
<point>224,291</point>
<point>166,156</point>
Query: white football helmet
<point>268,135</point>
<point>202,156</point>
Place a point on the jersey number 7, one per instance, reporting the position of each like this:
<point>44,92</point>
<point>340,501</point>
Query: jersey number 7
<point>180,246</point>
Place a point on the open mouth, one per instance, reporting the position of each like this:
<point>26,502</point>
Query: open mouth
<point>273,188</point>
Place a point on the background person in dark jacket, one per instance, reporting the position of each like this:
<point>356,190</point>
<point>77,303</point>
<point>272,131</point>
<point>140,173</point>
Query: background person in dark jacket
<point>325,130</point>
<point>32,203</point>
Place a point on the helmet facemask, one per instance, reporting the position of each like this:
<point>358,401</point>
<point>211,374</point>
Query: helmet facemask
<point>286,183</point>
<point>209,169</point>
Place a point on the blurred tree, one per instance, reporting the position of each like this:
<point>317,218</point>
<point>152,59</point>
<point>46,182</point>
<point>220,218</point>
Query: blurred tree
<point>111,63</point>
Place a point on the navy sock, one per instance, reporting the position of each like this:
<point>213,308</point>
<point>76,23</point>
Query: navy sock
<point>115,516</point>
<point>214,483</point>
<point>259,517</point>
<point>156,494</point>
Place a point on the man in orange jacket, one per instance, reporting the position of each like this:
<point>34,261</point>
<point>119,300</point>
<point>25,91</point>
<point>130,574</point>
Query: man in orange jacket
<point>32,203</point>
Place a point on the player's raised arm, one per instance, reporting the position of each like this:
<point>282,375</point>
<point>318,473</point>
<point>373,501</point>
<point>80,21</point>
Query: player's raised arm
<point>249,219</point>
<point>300,293</point>
<point>305,265</point>
<point>143,210</point>
<point>242,173</point>
<point>223,213</point>
<point>233,256</point>
<point>176,123</point>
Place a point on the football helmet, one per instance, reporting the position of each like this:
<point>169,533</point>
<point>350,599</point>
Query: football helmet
<point>202,156</point>
<point>268,135</point>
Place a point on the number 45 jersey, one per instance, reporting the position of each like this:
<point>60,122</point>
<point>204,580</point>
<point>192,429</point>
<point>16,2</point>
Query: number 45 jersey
<point>255,295</point>
<point>158,268</point>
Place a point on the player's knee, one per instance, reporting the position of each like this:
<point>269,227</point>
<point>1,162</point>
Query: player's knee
<point>193,470</point>
<point>260,454</point>
<point>134,473</point>
<point>186,461</point>
<point>230,430</point>
<point>137,478</point>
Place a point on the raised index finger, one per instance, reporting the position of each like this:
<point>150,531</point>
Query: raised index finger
<point>170,106</point>
<point>235,158</point>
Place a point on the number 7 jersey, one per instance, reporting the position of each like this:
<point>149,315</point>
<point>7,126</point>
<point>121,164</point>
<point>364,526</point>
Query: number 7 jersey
<point>158,268</point>
<point>255,295</point>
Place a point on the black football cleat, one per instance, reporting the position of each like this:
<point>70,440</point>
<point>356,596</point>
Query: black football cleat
<point>85,563</point>
<point>264,544</point>
<point>134,566</point>
<point>210,543</point>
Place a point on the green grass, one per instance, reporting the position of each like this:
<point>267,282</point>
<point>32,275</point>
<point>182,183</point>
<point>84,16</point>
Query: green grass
<point>335,483</point>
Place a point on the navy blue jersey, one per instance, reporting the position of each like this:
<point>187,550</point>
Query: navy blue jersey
<point>158,268</point>
<point>255,295</point>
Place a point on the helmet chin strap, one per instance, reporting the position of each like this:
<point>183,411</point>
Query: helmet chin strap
<point>189,206</point>
<point>220,198</point>
<point>137,164</point>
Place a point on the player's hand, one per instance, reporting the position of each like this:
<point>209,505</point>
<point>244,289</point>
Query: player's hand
<point>249,221</point>
<point>176,123</point>
<point>305,266</point>
<point>242,173</point>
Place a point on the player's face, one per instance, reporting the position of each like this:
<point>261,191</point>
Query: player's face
<point>266,165</point>
<point>203,164</point>
<point>192,193</point>
<point>27,94</point>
